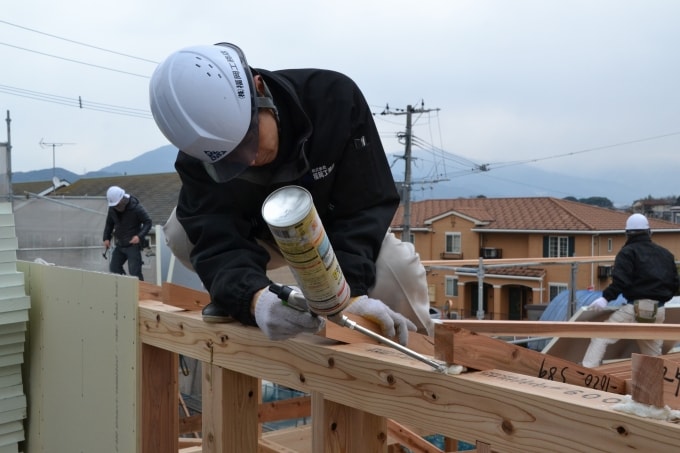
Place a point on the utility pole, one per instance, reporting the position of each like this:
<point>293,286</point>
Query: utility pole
<point>6,165</point>
<point>53,145</point>
<point>406,187</point>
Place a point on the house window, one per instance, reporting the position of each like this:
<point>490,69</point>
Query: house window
<point>451,284</point>
<point>556,288</point>
<point>453,243</point>
<point>412,238</point>
<point>610,244</point>
<point>558,246</point>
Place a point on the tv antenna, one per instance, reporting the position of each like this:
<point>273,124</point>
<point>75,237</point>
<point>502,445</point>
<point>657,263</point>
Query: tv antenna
<point>45,144</point>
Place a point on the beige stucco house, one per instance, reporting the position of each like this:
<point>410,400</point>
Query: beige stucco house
<point>548,245</point>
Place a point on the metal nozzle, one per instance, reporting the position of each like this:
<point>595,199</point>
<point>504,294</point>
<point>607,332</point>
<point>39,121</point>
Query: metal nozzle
<point>346,322</point>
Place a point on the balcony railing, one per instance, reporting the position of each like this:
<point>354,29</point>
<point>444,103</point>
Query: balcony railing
<point>451,255</point>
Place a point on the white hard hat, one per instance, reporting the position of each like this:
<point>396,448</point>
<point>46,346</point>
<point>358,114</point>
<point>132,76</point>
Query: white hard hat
<point>637,222</point>
<point>203,100</point>
<point>114,195</point>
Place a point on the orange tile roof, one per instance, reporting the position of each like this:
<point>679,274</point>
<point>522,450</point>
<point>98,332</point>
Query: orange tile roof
<point>531,213</point>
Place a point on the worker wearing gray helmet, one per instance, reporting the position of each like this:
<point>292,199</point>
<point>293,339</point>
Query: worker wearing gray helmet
<point>244,132</point>
<point>647,276</point>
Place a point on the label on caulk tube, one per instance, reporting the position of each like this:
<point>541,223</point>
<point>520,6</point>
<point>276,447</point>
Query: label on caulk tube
<point>302,240</point>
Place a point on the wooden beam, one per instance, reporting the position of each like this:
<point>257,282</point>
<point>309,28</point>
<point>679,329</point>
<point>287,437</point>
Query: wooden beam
<point>286,409</point>
<point>149,291</point>
<point>514,261</point>
<point>633,331</point>
<point>478,352</point>
<point>409,439</point>
<point>190,424</point>
<point>420,343</point>
<point>184,297</point>
<point>655,381</point>
<point>509,411</point>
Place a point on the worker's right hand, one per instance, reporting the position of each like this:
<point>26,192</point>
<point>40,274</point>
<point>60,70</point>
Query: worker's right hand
<point>391,323</point>
<point>107,244</point>
<point>279,321</point>
<point>598,304</point>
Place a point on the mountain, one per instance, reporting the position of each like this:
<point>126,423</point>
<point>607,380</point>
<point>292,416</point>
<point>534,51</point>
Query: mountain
<point>517,181</point>
<point>159,160</point>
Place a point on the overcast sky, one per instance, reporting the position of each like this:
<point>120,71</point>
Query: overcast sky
<point>583,86</point>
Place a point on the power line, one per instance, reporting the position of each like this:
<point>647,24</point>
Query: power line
<point>75,61</point>
<point>587,150</point>
<point>78,42</point>
<point>76,102</point>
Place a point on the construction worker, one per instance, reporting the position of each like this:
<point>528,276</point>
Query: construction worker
<point>244,132</point>
<point>647,276</point>
<point>128,222</point>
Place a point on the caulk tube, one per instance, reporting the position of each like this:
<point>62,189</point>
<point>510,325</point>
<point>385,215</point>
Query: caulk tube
<point>300,236</point>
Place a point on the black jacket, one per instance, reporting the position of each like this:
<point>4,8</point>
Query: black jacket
<point>329,144</point>
<point>133,221</point>
<point>643,270</point>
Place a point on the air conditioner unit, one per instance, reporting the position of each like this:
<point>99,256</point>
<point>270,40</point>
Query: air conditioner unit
<point>490,252</point>
<point>604,271</point>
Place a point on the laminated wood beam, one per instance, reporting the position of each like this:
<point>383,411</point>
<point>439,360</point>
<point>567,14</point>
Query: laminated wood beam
<point>632,331</point>
<point>184,297</point>
<point>420,343</point>
<point>462,347</point>
<point>655,381</point>
<point>511,412</point>
<point>285,409</point>
<point>149,291</point>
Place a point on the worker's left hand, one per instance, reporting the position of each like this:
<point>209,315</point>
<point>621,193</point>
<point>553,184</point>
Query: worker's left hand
<point>391,323</point>
<point>279,321</point>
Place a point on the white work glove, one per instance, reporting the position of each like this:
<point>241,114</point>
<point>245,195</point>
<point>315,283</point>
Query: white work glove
<point>391,323</point>
<point>279,321</point>
<point>598,304</point>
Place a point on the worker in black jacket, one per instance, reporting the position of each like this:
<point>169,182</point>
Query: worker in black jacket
<point>128,222</point>
<point>647,276</point>
<point>243,133</point>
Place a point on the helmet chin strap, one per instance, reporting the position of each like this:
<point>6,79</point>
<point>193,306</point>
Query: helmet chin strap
<point>267,101</point>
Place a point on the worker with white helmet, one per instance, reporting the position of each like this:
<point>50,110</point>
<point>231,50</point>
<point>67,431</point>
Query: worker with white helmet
<point>244,132</point>
<point>647,276</point>
<point>128,222</point>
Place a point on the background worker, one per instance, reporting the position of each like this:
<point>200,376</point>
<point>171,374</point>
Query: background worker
<point>244,132</point>
<point>128,222</point>
<point>647,276</point>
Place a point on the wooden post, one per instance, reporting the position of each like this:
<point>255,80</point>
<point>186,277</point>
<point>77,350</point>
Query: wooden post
<point>230,402</point>
<point>655,381</point>
<point>160,404</point>
<point>338,428</point>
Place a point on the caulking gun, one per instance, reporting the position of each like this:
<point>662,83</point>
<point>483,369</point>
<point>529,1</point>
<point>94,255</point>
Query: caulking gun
<point>299,233</point>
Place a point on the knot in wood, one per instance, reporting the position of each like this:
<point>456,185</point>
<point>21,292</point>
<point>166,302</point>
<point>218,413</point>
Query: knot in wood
<point>507,427</point>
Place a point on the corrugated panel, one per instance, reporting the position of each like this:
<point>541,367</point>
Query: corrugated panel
<point>14,306</point>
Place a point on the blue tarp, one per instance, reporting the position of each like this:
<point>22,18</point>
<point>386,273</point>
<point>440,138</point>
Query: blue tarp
<point>558,308</point>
